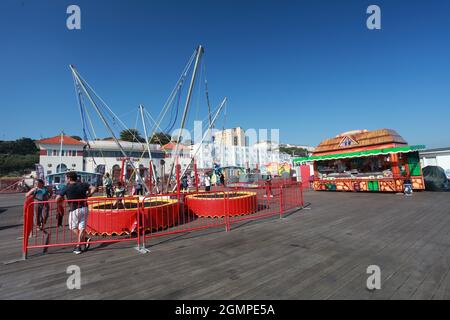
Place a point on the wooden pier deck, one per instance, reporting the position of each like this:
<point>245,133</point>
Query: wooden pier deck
<point>319,253</point>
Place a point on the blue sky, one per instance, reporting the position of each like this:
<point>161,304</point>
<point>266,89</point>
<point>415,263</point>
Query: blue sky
<point>310,68</point>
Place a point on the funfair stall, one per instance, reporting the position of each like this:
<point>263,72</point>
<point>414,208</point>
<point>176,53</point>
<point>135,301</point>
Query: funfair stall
<point>362,160</point>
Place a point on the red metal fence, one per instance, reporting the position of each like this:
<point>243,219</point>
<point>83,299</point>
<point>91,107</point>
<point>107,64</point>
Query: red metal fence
<point>139,219</point>
<point>13,185</point>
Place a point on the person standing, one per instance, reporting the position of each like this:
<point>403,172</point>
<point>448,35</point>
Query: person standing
<point>108,185</point>
<point>119,193</point>
<point>77,192</point>
<point>138,188</point>
<point>190,181</point>
<point>207,183</point>
<point>40,193</point>
<point>268,184</point>
<point>184,183</point>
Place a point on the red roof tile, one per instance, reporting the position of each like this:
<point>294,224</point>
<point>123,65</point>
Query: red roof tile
<point>57,140</point>
<point>172,146</point>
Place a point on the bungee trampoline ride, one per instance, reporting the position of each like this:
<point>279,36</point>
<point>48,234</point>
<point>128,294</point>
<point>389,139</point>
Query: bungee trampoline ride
<point>219,204</point>
<point>108,216</point>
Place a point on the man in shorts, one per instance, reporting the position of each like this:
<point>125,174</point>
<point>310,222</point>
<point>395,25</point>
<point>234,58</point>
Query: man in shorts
<point>77,192</point>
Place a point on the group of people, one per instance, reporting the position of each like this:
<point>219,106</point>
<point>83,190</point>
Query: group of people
<point>206,180</point>
<point>118,191</point>
<point>76,192</point>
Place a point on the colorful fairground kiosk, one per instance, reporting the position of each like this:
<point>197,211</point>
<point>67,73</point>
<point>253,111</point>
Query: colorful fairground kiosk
<point>362,160</point>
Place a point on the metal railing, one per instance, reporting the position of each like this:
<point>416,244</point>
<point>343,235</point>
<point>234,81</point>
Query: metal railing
<point>139,219</point>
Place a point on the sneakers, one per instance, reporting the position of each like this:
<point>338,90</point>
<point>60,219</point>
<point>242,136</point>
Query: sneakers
<point>77,250</point>
<point>87,245</point>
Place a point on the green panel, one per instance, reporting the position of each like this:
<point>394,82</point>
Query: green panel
<point>372,185</point>
<point>375,186</point>
<point>366,153</point>
<point>331,186</point>
<point>414,164</point>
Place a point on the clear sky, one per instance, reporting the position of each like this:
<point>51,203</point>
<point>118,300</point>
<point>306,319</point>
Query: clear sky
<point>310,68</point>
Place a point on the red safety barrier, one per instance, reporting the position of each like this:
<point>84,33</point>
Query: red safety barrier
<point>176,218</point>
<point>47,225</point>
<point>226,206</point>
<point>136,219</point>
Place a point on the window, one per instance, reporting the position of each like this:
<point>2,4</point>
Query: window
<point>235,141</point>
<point>347,142</point>
<point>49,152</point>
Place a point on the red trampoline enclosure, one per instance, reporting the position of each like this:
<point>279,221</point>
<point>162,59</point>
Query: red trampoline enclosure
<point>112,217</point>
<point>219,204</point>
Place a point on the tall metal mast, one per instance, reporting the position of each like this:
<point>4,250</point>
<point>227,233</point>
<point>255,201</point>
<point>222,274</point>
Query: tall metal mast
<point>186,108</point>
<point>153,173</point>
<point>75,74</point>
<point>213,120</point>
<point>209,104</point>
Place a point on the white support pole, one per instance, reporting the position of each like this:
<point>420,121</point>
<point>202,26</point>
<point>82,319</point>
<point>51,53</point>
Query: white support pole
<point>75,73</point>
<point>152,172</point>
<point>205,135</point>
<point>186,108</point>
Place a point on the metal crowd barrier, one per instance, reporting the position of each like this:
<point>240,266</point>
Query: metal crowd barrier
<point>136,219</point>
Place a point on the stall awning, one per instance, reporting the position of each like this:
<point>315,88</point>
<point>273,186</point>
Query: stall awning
<point>366,153</point>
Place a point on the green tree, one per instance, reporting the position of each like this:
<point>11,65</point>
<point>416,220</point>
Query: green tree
<point>17,164</point>
<point>21,146</point>
<point>17,157</point>
<point>131,135</point>
<point>293,151</point>
<point>160,138</point>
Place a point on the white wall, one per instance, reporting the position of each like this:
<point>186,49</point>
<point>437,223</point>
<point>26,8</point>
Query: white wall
<point>92,163</point>
<point>441,159</point>
<point>72,163</point>
<point>444,161</point>
<point>50,163</point>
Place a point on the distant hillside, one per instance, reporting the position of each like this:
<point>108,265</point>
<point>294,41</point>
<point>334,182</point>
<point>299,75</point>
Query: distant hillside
<point>18,157</point>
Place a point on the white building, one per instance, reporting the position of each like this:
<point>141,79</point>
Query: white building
<point>307,148</point>
<point>436,157</point>
<point>59,154</point>
<point>184,156</point>
<point>108,154</point>
<point>231,137</point>
<point>252,157</point>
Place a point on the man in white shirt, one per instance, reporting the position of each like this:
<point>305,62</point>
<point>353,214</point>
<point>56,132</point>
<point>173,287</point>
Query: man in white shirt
<point>207,183</point>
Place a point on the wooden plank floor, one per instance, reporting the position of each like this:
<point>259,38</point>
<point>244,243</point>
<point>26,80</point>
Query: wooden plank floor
<point>320,253</point>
